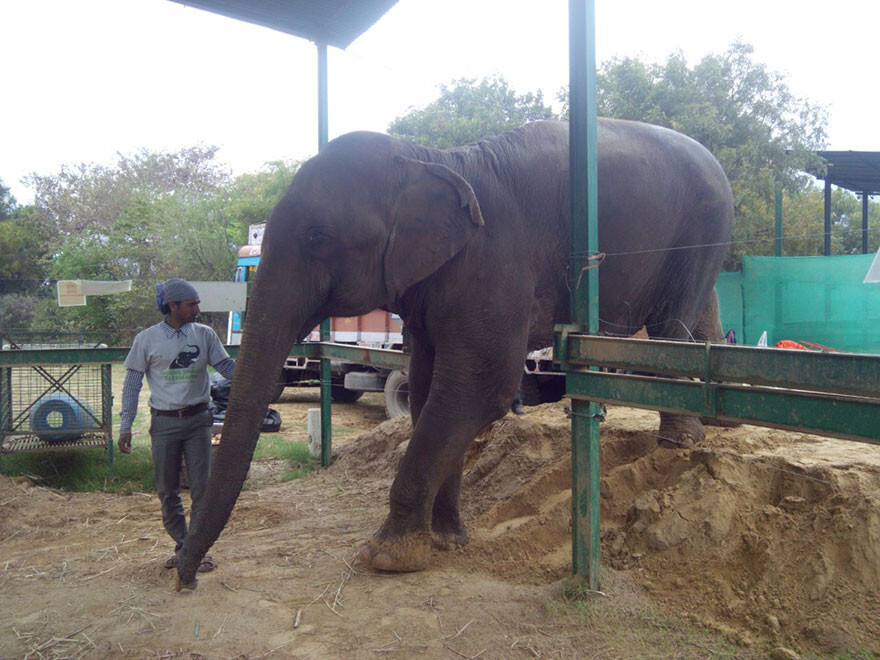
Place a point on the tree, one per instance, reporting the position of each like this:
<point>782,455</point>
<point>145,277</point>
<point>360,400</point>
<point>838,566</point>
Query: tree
<point>8,204</point>
<point>91,197</point>
<point>743,113</point>
<point>24,253</point>
<point>467,111</point>
<point>147,218</point>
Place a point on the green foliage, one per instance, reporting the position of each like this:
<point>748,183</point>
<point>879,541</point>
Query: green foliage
<point>296,454</point>
<point>87,470</point>
<point>90,197</point>
<point>148,217</point>
<point>467,111</point>
<point>803,224</point>
<point>8,205</point>
<point>251,197</point>
<point>743,113</point>
<point>24,253</point>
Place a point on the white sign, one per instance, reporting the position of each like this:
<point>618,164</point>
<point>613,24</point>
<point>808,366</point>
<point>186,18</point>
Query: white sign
<point>72,293</point>
<point>255,233</point>
<point>873,276</point>
<point>221,296</point>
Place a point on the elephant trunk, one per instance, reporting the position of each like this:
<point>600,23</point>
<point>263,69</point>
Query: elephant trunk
<point>272,323</point>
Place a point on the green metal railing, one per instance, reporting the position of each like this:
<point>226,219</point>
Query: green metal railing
<point>830,394</point>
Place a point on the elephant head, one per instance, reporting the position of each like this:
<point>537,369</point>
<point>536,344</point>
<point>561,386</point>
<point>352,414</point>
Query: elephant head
<point>361,223</point>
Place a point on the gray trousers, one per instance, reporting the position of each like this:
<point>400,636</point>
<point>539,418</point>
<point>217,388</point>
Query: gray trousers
<point>174,439</point>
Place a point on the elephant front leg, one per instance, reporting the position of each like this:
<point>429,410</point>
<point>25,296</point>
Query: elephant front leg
<point>447,529</point>
<point>403,543</point>
<point>426,489</point>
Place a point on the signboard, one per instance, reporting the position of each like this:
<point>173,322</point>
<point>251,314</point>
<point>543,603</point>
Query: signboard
<point>72,293</point>
<point>873,276</point>
<point>221,296</point>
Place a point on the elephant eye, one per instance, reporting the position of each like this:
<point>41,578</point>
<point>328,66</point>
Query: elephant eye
<point>315,235</point>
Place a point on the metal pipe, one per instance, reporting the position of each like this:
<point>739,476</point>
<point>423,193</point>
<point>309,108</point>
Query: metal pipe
<point>323,137</point>
<point>864,223</point>
<point>827,218</point>
<point>777,243</point>
<point>584,290</point>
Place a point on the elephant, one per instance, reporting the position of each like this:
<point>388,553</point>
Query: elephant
<point>470,246</point>
<point>185,358</point>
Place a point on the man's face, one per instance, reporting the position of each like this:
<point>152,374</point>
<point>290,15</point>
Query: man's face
<point>184,311</point>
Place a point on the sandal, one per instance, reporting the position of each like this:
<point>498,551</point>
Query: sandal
<point>207,565</point>
<point>172,562</point>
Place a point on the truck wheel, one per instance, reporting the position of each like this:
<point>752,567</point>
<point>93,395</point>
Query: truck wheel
<point>279,391</point>
<point>340,394</point>
<point>396,394</point>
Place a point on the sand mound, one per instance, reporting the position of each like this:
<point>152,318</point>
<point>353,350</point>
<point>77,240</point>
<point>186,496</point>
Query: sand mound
<point>771,534</point>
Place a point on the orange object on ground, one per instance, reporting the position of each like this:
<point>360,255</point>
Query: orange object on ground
<point>805,346</point>
<point>788,343</point>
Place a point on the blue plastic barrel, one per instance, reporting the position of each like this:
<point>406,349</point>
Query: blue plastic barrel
<point>60,418</point>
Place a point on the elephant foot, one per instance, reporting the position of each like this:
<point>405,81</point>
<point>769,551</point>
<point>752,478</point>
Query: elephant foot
<point>680,431</point>
<point>397,554</point>
<point>448,539</point>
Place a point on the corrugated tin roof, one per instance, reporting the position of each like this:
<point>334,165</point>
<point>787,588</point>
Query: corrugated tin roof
<point>858,171</point>
<point>332,22</point>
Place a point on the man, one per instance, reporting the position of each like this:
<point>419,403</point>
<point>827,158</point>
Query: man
<point>175,354</point>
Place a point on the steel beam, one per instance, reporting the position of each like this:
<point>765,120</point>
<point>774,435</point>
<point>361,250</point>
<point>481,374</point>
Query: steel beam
<point>850,418</point>
<point>839,373</point>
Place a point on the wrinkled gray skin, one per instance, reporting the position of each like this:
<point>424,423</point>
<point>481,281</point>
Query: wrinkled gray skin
<point>469,245</point>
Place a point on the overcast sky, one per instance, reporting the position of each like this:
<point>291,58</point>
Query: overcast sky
<point>87,79</point>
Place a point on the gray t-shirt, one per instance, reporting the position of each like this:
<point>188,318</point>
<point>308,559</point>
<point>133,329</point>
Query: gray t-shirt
<point>176,366</point>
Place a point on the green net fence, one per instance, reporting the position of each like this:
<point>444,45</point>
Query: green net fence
<point>821,300</point>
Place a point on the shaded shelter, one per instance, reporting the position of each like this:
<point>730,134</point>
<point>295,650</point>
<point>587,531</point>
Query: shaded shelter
<point>328,22</point>
<point>856,171</point>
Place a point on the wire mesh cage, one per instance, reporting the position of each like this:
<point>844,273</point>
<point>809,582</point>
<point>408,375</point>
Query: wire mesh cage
<point>52,405</point>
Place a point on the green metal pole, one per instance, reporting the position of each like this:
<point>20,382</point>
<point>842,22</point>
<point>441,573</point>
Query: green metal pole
<point>777,243</point>
<point>584,283</point>
<point>827,248</point>
<point>107,410</point>
<point>326,437</point>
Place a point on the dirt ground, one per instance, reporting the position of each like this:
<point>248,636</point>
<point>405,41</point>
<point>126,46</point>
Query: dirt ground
<point>759,539</point>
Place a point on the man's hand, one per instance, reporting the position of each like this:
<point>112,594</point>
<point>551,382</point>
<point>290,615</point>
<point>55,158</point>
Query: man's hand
<point>125,443</point>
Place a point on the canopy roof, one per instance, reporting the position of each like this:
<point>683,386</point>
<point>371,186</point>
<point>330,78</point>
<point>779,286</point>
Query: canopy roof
<point>858,171</point>
<point>331,22</point>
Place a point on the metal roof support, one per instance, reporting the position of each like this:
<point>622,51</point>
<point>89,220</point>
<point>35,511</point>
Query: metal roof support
<point>827,217</point>
<point>323,136</point>
<point>865,222</point>
<point>584,283</point>
<point>777,242</point>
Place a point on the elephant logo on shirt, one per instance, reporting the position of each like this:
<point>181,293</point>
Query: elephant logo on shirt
<point>185,358</point>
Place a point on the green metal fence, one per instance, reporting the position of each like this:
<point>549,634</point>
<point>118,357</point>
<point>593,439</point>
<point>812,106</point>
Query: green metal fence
<point>832,394</point>
<point>816,299</point>
<point>50,404</point>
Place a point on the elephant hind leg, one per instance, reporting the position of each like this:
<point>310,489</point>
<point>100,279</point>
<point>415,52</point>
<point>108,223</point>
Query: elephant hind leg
<point>687,430</point>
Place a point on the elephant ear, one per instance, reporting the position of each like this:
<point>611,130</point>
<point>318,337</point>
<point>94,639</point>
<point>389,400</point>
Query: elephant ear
<point>436,214</point>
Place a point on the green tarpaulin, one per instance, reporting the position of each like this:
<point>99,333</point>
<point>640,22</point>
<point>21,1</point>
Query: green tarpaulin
<point>807,299</point>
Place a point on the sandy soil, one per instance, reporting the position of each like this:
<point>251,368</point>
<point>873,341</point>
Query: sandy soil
<point>758,539</point>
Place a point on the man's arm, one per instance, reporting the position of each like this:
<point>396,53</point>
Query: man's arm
<point>226,368</point>
<point>131,390</point>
